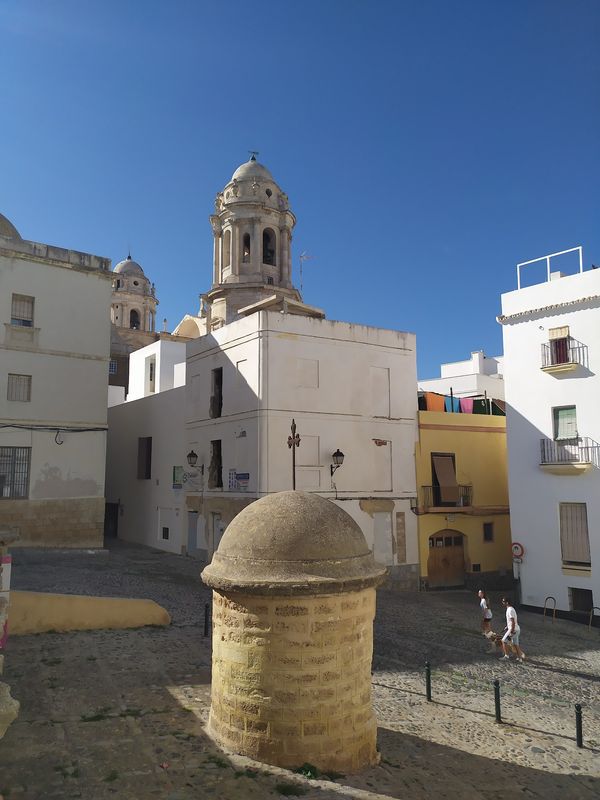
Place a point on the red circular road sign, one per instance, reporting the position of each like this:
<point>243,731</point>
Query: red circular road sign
<point>517,550</point>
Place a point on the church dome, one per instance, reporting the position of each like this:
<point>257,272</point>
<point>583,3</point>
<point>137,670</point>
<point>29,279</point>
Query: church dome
<point>8,229</point>
<point>251,169</point>
<point>129,267</point>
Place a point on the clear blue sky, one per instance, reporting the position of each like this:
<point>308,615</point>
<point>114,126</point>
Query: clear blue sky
<point>426,146</point>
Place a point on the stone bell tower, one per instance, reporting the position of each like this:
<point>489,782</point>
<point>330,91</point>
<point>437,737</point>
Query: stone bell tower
<point>252,227</point>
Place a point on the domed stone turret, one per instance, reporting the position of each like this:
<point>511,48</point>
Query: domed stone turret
<point>293,607</point>
<point>8,229</point>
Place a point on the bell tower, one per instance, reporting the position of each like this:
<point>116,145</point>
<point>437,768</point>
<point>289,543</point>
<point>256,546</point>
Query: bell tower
<point>252,228</point>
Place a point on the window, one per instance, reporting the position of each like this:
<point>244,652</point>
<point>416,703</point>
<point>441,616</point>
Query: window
<point>215,469</point>
<point>19,388</point>
<point>165,533</point>
<point>150,375</point>
<point>559,345</point>
<point>112,367</point>
<point>269,247</point>
<point>565,423</point>
<point>270,281</point>
<point>581,599</point>
<point>134,319</point>
<point>144,462</point>
<point>574,538</point>
<point>445,487</point>
<point>246,248</point>
<point>14,472</point>
<point>22,311</point>
<point>476,568</point>
<point>488,531</point>
<point>216,397</point>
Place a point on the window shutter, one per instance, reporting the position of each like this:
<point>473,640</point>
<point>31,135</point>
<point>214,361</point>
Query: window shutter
<point>566,423</point>
<point>574,537</point>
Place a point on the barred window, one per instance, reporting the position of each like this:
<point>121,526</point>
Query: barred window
<point>19,388</point>
<point>112,367</point>
<point>14,472</point>
<point>574,537</point>
<point>22,310</point>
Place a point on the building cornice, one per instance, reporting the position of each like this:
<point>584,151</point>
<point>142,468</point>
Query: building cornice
<point>506,319</point>
<point>56,257</point>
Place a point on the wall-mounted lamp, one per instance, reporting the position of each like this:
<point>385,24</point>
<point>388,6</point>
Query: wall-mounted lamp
<point>414,504</point>
<point>192,458</point>
<point>338,460</point>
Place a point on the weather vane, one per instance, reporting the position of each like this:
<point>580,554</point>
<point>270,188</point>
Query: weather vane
<point>293,442</point>
<point>253,154</point>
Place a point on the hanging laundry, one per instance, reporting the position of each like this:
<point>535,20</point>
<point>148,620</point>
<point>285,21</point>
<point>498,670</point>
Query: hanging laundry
<point>452,404</point>
<point>480,406</point>
<point>435,402</point>
<point>466,405</point>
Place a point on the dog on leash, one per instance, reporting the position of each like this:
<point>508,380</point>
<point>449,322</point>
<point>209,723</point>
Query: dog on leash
<point>495,640</point>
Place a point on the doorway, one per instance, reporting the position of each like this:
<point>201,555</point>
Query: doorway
<point>446,561</point>
<point>111,520</point>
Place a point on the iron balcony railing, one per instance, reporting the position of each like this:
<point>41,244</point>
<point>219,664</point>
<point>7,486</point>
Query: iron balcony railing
<point>581,450</point>
<point>564,351</point>
<point>432,497</point>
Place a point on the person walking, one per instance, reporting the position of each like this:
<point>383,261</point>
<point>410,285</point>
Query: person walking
<point>513,632</point>
<point>486,612</point>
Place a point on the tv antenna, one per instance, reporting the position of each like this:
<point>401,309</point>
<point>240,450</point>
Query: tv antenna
<point>304,256</point>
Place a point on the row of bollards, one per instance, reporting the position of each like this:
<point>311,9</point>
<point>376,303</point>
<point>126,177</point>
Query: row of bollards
<point>498,710</point>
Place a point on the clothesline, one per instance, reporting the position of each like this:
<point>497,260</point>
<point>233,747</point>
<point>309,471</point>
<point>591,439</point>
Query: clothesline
<point>476,404</point>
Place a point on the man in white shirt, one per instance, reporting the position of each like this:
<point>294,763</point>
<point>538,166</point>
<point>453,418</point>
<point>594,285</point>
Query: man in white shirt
<point>513,631</point>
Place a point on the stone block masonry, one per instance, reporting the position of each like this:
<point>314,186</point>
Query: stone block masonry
<point>292,678</point>
<point>67,522</point>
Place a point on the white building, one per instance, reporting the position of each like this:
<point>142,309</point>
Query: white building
<point>54,338</point>
<point>479,375</point>
<point>552,379</point>
<point>349,388</point>
<point>146,446</point>
<point>262,357</point>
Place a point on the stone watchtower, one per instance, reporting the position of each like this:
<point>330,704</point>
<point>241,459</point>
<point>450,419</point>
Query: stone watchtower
<point>252,227</point>
<point>293,607</point>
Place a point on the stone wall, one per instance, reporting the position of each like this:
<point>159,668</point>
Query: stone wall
<point>68,522</point>
<point>403,578</point>
<point>292,678</point>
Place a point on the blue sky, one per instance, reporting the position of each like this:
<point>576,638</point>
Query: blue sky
<point>426,146</point>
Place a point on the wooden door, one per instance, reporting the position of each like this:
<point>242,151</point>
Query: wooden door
<point>446,561</point>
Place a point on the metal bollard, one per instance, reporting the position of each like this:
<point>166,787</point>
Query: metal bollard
<point>578,725</point>
<point>428,681</point>
<point>497,700</point>
<point>206,618</point>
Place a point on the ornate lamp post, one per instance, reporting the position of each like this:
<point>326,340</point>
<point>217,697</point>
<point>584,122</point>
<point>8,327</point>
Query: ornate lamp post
<point>293,442</point>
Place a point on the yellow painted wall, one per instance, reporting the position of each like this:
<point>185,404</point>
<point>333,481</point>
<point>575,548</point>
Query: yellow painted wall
<point>36,612</point>
<point>478,442</point>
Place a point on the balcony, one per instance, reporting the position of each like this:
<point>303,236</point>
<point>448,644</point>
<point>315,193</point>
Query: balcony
<point>569,456</point>
<point>432,502</point>
<point>563,355</point>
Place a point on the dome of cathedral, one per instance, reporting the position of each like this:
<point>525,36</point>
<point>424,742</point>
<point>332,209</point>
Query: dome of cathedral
<point>8,229</point>
<point>251,169</point>
<point>129,267</point>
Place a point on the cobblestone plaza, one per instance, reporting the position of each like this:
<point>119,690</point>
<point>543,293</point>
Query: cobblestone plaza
<point>108,714</point>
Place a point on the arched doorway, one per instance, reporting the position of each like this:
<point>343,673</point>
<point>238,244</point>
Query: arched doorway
<point>446,560</point>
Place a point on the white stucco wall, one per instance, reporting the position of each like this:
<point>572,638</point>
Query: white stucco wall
<point>66,354</point>
<point>481,374</point>
<point>530,395</point>
<point>146,505</point>
<point>345,385</point>
<point>167,355</point>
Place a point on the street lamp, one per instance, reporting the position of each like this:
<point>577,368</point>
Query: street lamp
<point>192,458</point>
<point>338,460</point>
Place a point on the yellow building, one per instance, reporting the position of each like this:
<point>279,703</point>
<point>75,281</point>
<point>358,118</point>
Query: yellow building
<point>462,505</point>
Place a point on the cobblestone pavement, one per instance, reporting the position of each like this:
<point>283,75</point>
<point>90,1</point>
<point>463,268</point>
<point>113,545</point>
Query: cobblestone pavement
<point>120,714</point>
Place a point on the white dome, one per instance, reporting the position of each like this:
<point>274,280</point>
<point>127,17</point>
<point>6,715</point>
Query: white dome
<point>251,169</point>
<point>129,267</point>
